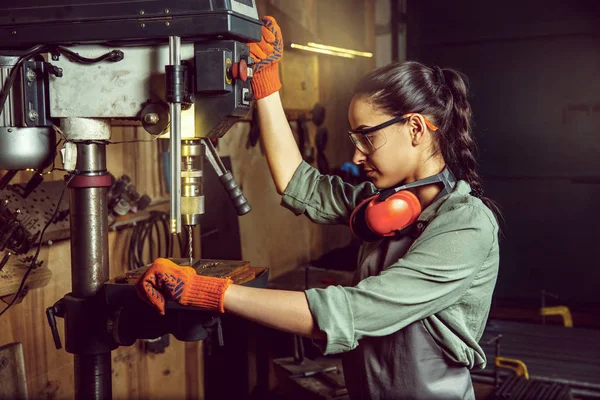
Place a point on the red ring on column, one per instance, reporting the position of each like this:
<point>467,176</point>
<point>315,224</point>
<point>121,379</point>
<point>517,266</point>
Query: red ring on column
<point>86,181</point>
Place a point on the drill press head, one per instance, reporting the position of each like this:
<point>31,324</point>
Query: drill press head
<point>208,77</point>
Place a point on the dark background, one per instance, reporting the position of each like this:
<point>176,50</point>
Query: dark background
<point>534,72</point>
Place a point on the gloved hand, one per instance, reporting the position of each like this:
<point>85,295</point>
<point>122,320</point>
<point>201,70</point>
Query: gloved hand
<point>266,54</point>
<point>165,279</point>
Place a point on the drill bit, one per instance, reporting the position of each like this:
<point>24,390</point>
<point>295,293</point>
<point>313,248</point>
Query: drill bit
<point>190,241</point>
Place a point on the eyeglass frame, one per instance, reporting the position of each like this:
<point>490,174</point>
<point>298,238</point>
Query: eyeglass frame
<point>366,131</point>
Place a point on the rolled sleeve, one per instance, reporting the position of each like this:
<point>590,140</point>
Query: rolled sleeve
<point>325,199</point>
<point>433,275</point>
<point>331,309</point>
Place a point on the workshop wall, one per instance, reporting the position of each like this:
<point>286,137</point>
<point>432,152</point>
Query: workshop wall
<point>535,96</point>
<point>348,24</point>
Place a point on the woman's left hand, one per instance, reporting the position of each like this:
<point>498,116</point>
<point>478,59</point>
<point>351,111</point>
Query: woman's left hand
<point>165,279</point>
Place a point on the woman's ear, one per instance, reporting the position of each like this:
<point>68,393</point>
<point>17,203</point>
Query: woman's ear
<point>417,128</point>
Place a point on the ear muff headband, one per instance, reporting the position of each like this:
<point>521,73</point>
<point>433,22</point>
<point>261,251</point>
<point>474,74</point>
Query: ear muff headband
<point>392,210</point>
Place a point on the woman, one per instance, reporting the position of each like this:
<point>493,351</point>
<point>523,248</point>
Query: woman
<point>410,324</point>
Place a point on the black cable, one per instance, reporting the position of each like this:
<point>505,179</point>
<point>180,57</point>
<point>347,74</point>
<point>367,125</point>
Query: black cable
<point>164,236</point>
<point>162,233</point>
<point>53,159</point>
<point>132,263</point>
<point>137,245</point>
<point>143,232</point>
<point>129,254</point>
<point>37,253</point>
<point>151,242</point>
<point>156,228</point>
<point>113,56</point>
<point>149,239</point>
<point>168,238</point>
<point>129,251</point>
<point>133,246</point>
<point>12,77</point>
<point>140,245</point>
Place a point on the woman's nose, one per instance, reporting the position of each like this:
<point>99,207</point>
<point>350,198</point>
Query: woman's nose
<point>358,157</point>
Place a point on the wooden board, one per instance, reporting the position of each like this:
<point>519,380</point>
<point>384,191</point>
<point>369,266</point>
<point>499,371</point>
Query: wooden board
<point>16,267</point>
<point>240,272</point>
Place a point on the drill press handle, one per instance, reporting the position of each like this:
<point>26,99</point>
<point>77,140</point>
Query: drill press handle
<point>235,194</point>
<point>226,177</point>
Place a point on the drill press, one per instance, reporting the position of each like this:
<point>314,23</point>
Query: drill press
<point>80,64</point>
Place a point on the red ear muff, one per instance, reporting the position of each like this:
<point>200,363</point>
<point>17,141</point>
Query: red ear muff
<point>374,218</point>
<point>358,222</point>
<point>395,208</point>
<point>392,214</point>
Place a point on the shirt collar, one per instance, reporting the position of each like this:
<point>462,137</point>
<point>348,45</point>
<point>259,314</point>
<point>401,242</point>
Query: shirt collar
<point>462,188</point>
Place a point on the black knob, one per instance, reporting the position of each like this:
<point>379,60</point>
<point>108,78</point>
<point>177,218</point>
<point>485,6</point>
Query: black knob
<point>235,194</point>
<point>51,313</point>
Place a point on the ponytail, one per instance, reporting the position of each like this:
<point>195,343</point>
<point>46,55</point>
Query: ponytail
<point>458,146</point>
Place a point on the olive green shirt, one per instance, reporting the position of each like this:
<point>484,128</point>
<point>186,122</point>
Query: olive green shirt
<point>445,279</point>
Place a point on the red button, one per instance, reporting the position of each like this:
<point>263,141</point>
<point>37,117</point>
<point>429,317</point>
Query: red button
<point>240,70</point>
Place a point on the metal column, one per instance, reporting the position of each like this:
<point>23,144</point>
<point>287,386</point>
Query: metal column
<point>89,263</point>
<point>175,113</point>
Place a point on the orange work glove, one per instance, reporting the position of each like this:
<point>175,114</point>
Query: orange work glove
<point>164,278</point>
<point>266,54</point>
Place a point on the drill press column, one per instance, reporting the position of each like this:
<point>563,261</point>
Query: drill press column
<point>89,257</point>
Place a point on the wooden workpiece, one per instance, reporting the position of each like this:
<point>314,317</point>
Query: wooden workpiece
<point>240,272</point>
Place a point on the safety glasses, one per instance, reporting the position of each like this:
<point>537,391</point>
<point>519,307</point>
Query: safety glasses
<point>367,140</point>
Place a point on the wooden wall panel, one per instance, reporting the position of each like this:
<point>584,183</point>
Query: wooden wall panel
<point>299,74</point>
<point>272,236</point>
<point>49,371</point>
<point>140,160</point>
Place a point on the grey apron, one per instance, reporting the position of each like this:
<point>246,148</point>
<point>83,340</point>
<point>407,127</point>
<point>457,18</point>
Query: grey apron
<point>407,364</point>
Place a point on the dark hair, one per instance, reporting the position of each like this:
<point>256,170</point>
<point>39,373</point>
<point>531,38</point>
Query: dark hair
<point>441,95</point>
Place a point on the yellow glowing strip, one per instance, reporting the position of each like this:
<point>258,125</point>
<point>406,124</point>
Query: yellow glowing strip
<point>322,51</point>
<point>341,50</point>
